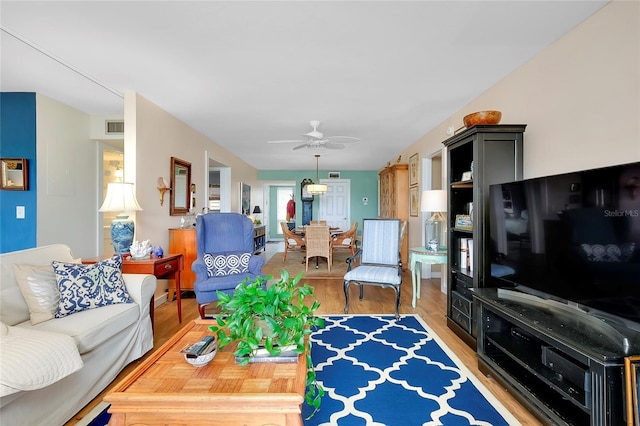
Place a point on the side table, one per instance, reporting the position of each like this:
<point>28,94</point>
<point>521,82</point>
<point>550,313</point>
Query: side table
<point>167,267</point>
<point>418,256</point>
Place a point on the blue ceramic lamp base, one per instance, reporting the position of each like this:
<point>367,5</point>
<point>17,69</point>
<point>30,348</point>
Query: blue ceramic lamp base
<point>122,234</point>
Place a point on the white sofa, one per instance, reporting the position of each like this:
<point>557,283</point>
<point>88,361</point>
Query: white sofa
<point>107,338</point>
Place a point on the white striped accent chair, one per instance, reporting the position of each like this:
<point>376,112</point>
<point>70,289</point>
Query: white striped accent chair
<point>380,262</point>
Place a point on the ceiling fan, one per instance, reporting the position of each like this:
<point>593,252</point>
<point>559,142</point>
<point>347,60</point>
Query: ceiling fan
<point>317,140</point>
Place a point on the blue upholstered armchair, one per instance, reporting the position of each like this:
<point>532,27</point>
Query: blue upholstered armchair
<point>225,255</point>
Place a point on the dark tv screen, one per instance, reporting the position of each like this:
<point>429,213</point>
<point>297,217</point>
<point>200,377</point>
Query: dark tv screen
<point>573,237</point>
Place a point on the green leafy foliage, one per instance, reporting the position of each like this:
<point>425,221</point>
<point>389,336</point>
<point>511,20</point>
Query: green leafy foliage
<point>275,315</point>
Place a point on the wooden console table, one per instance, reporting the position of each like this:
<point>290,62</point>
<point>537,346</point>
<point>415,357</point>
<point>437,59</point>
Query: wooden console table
<point>165,389</point>
<point>168,267</point>
<point>259,238</point>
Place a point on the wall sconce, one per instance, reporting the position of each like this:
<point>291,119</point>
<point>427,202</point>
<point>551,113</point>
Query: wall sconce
<point>163,188</point>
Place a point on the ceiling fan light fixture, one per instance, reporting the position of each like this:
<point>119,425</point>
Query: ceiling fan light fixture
<point>317,188</point>
<point>317,140</point>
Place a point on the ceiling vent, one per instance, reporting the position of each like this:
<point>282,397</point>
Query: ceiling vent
<point>114,127</point>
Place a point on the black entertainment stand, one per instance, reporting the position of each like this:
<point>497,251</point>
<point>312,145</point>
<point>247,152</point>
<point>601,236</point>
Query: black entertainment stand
<point>564,365</point>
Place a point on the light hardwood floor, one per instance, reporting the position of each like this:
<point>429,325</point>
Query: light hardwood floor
<point>431,307</point>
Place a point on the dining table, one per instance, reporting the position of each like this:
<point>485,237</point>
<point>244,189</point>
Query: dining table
<point>300,230</point>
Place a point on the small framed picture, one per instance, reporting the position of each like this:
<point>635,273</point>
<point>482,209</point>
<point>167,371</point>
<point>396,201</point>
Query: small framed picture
<point>463,221</point>
<point>414,201</point>
<point>15,174</point>
<point>413,170</point>
<point>245,198</point>
<point>334,175</point>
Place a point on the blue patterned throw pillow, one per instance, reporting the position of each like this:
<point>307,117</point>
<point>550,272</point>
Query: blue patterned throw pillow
<point>223,264</point>
<point>85,287</point>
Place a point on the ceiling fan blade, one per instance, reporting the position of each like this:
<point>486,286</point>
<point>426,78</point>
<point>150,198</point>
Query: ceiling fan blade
<point>288,141</point>
<point>332,145</point>
<point>353,139</point>
<point>304,145</point>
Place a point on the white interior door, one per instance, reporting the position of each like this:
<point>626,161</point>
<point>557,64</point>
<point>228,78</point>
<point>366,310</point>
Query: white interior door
<point>335,204</point>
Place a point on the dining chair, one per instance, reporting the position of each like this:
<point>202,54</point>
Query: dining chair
<point>380,260</point>
<point>317,222</point>
<point>346,240</point>
<point>318,241</point>
<point>292,241</point>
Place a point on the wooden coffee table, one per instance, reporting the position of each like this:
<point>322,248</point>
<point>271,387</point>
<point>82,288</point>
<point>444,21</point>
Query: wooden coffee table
<point>165,389</point>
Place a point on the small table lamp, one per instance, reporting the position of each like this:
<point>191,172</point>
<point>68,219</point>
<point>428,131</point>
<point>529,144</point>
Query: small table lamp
<point>256,210</point>
<point>121,198</point>
<point>435,228</point>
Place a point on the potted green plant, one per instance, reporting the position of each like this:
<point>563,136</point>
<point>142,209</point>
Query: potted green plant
<point>283,306</point>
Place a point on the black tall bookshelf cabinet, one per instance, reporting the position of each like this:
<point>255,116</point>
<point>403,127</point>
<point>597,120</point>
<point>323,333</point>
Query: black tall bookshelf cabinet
<point>477,157</point>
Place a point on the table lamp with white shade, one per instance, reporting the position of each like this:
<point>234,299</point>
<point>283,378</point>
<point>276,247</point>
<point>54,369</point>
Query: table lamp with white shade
<point>121,198</point>
<point>435,228</point>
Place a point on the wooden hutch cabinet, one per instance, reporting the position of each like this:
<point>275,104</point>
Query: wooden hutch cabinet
<point>493,154</point>
<point>394,200</point>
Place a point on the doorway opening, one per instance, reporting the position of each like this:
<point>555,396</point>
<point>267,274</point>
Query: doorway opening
<point>111,170</point>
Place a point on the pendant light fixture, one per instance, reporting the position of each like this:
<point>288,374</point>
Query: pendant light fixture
<point>317,188</point>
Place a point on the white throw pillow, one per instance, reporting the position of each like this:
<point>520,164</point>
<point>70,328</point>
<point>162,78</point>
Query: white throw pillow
<point>39,289</point>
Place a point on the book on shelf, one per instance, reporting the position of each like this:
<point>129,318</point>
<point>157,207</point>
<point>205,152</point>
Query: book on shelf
<point>464,253</point>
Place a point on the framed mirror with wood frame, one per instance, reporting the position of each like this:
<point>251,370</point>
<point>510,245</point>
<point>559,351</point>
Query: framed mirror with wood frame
<point>180,187</point>
<point>15,174</point>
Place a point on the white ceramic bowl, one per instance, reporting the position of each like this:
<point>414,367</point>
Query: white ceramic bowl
<point>202,360</point>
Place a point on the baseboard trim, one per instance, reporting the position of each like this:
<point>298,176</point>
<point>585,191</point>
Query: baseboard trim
<point>160,300</point>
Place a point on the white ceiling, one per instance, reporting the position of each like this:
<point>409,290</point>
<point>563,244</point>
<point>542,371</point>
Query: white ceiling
<point>243,73</point>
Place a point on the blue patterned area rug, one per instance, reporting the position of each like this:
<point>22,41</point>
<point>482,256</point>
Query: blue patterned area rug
<point>379,371</point>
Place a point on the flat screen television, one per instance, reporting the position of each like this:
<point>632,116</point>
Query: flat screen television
<point>573,238</point>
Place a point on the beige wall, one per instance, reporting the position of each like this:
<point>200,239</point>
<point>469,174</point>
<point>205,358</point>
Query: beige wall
<point>580,99</point>
<point>152,137</point>
<point>66,178</point>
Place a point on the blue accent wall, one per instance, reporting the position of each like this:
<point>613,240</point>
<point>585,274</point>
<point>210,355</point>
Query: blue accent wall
<point>18,140</point>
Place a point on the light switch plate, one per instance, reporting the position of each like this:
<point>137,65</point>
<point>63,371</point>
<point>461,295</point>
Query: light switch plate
<point>20,212</point>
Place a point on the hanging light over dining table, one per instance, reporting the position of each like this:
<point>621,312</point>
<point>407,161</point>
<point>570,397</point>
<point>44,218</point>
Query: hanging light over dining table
<point>317,188</point>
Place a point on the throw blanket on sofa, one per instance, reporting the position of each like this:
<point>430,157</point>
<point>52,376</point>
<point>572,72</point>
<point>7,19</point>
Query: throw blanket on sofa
<point>34,359</point>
